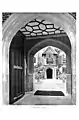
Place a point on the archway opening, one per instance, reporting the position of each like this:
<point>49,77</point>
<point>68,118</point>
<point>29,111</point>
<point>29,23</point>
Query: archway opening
<point>50,70</point>
<point>49,73</point>
<point>10,37</point>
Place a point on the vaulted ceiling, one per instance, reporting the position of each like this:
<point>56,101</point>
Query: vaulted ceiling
<point>39,27</point>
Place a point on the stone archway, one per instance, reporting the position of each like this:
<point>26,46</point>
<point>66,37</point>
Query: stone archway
<point>54,43</point>
<point>16,21</point>
<point>42,44</point>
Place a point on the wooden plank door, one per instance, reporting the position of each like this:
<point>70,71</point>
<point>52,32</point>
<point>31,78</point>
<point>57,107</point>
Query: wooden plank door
<point>16,65</point>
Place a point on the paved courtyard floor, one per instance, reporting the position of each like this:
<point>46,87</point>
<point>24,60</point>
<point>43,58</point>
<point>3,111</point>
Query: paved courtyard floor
<point>30,99</point>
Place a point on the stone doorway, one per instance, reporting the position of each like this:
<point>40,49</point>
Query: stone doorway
<point>8,32</point>
<point>49,73</point>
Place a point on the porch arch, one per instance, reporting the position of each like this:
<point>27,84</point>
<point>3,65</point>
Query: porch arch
<point>16,21</point>
<point>42,44</point>
<point>54,43</point>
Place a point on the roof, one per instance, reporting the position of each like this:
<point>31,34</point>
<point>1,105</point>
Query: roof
<point>50,50</point>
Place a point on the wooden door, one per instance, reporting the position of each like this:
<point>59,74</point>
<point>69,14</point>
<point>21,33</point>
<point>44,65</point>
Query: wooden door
<point>16,67</point>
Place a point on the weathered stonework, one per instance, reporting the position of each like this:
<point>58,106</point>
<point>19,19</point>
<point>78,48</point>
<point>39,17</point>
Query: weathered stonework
<point>29,82</point>
<point>15,22</point>
<point>68,84</point>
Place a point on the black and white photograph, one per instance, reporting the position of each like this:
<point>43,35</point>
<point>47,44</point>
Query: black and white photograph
<point>39,58</point>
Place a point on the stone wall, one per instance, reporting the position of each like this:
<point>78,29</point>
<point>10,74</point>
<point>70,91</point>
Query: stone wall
<point>29,82</point>
<point>68,84</point>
